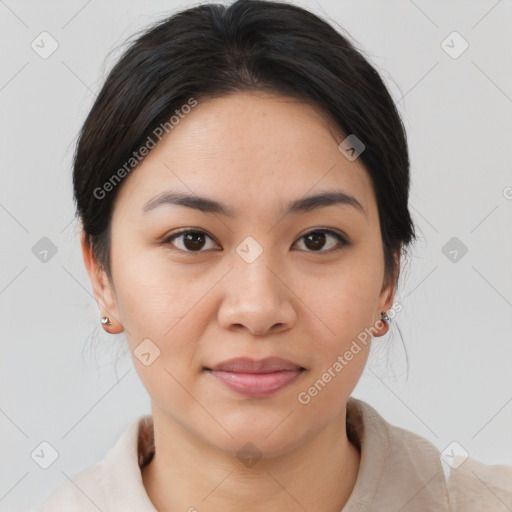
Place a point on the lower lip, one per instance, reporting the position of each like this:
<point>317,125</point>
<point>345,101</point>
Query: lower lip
<point>257,385</point>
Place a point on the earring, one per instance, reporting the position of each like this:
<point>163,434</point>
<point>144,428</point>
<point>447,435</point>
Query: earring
<point>384,316</point>
<point>106,321</point>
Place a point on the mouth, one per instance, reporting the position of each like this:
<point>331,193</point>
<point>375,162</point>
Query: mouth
<point>256,379</point>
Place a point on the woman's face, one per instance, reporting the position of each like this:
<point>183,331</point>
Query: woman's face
<point>251,283</point>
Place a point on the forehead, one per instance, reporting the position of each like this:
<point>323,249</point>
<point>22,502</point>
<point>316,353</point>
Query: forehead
<point>250,149</point>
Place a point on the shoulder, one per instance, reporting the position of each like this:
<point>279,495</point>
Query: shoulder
<point>115,482</point>
<point>402,470</point>
<point>475,486</point>
<point>82,492</point>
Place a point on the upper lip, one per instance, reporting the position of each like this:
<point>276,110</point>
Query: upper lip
<point>248,365</point>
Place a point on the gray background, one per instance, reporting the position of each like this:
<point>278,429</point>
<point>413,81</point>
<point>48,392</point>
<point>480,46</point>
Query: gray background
<point>65,381</point>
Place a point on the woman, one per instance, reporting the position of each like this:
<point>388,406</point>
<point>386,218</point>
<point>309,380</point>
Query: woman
<point>242,182</point>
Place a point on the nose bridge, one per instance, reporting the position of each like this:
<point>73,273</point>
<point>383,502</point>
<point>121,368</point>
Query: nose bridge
<point>252,264</point>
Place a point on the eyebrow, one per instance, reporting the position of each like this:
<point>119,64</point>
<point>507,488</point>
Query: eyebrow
<point>207,205</point>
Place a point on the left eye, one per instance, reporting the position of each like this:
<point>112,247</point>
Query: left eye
<point>194,240</point>
<point>318,237</point>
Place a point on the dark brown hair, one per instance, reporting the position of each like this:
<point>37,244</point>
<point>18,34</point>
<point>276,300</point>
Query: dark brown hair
<point>213,50</point>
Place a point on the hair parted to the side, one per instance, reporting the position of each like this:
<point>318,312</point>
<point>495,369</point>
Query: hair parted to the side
<point>212,50</point>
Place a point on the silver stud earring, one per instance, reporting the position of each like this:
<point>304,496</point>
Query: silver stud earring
<point>384,316</point>
<point>106,321</point>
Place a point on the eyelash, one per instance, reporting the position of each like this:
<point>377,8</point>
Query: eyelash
<point>340,238</point>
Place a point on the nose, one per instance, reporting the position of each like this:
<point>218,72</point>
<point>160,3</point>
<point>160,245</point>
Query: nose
<point>257,298</point>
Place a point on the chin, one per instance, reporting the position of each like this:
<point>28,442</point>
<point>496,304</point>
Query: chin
<point>258,439</point>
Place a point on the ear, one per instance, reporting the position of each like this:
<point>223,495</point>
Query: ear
<point>103,291</point>
<point>387,293</point>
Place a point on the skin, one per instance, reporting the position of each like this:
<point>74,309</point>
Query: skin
<point>298,300</point>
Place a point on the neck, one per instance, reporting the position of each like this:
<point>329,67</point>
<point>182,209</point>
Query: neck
<point>191,475</point>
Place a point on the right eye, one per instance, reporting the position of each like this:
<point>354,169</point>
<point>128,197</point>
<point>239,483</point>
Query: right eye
<point>192,240</point>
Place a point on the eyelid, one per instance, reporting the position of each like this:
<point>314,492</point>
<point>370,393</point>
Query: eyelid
<point>169,239</point>
<point>341,237</point>
<point>331,231</point>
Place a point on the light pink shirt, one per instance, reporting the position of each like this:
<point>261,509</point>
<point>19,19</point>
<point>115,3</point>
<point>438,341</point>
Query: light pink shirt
<point>399,472</point>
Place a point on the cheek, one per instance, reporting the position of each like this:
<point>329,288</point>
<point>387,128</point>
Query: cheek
<point>346,306</point>
<point>164,317</point>
<point>346,300</point>
<point>153,294</point>
<point>169,306</point>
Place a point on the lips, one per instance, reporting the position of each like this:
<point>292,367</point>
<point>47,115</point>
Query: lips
<point>248,365</point>
<point>256,379</point>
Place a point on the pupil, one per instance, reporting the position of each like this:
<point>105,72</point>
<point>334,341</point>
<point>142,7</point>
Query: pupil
<point>195,243</point>
<point>315,236</point>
